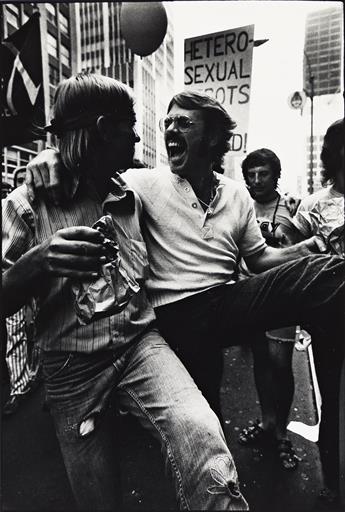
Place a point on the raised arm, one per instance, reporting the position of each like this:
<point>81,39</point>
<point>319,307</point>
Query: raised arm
<point>43,174</point>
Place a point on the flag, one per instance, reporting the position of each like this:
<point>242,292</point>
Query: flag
<point>22,95</point>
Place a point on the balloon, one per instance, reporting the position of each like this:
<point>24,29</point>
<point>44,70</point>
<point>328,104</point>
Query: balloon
<point>143,26</point>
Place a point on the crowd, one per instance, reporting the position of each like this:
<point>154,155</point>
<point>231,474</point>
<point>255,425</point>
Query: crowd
<point>142,277</point>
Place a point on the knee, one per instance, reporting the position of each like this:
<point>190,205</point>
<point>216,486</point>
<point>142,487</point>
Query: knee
<point>201,425</point>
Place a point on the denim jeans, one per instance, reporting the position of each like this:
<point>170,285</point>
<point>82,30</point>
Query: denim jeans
<point>309,292</point>
<point>150,382</point>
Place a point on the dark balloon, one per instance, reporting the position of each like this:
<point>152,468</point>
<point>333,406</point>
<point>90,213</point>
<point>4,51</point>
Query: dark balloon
<point>143,26</point>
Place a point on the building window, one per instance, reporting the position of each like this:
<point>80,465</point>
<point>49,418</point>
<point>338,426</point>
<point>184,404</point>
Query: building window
<point>65,55</point>
<point>64,24</point>
<point>53,75</point>
<point>52,45</point>
<point>51,13</point>
<point>52,89</point>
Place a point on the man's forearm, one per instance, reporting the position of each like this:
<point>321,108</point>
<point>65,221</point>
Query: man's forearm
<point>21,281</point>
<point>272,257</point>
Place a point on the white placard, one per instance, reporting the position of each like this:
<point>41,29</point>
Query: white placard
<point>220,64</point>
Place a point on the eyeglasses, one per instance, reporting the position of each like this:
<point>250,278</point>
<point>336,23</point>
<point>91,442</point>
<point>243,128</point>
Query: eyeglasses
<point>183,123</point>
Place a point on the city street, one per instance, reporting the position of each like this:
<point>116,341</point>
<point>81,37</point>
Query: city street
<point>33,476</point>
<point>198,88</point>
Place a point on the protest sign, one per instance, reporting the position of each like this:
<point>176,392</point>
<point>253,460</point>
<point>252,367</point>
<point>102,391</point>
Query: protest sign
<point>220,64</point>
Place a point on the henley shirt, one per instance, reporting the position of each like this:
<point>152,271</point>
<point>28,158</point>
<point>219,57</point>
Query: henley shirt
<point>191,250</point>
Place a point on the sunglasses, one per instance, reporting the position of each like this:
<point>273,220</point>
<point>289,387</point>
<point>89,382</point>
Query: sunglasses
<point>182,123</point>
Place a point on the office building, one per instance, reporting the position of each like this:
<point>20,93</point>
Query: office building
<point>58,39</point>
<point>323,64</point>
<point>103,50</point>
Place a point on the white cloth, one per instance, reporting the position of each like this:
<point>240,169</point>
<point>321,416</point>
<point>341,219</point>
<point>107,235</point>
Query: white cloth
<point>322,214</point>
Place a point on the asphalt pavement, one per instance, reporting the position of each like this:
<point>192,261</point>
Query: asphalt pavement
<point>33,476</point>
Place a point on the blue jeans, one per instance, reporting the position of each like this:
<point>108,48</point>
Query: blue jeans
<point>150,382</point>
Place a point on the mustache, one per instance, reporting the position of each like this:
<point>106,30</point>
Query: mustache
<point>173,137</point>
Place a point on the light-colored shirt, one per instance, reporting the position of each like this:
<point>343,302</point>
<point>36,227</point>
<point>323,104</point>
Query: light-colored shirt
<point>274,219</point>
<point>322,214</point>
<point>275,222</point>
<point>57,325</point>
<point>191,250</point>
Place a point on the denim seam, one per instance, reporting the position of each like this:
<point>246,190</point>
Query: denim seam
<point>165,439</point>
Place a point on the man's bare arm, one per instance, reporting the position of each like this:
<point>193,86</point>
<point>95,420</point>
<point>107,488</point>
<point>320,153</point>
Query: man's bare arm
<point>272,257</point>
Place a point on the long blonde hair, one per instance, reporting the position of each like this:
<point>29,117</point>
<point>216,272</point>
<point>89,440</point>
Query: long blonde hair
<point>78,102</point>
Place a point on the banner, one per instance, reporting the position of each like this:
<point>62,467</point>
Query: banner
<point>220,65</point>
<point>22,97</point>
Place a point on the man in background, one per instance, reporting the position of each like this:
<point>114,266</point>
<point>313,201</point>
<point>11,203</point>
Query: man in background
<point>272,350</point>
<point>322,215</point>
<point>22,357</point>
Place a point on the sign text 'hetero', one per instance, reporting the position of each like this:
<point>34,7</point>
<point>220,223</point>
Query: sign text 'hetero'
<point>220,65</point>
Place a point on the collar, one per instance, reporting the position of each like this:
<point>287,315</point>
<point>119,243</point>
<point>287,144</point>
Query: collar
<point>216,179</point>
<point>118,191</point>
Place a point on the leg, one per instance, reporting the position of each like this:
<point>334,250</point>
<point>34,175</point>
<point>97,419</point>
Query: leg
<point>17,353</point>
<point>305,291</point>
<point>158,391</point>
<point>198,350</point>
<point>284,386</point>
<point>328,362</point>
<point>78,391</point>
<point>206,368</point>
<point>264,381</point>
<point>261,432</point>
<point>275,386</point>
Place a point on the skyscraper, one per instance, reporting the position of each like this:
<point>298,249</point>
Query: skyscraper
<point>103,50</point>
<point>58,38</point>
<point>323,50</point>
<point>323,65</point>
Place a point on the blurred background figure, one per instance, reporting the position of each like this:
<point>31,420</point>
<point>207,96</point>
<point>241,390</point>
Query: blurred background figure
<point>272,351</point>
<point>22,357</point>
<point>19,176</point>
<point>322,214</point>
<point>6,188</point>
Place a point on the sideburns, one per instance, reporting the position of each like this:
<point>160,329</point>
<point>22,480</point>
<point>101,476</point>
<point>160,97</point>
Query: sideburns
<point>204,149</point>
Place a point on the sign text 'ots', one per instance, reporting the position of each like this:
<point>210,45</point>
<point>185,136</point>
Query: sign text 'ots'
<point>220,65</point>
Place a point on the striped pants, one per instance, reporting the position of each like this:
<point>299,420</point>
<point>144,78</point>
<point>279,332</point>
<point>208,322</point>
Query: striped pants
<point>22,362</point>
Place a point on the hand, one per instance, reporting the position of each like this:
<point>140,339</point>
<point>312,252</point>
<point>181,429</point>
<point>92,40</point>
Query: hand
<point>312,245</point>
<point>43,174</point>
<point>292,203</point>
<point>75,252</point>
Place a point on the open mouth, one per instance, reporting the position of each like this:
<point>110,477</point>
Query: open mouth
<point>176,149</point>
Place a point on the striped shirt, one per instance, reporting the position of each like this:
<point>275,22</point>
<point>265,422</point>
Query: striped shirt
<point>57,325</point>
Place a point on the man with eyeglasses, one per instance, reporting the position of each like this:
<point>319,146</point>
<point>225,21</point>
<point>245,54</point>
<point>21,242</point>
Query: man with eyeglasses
<point>86,261</point>
<point>197,224</point>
